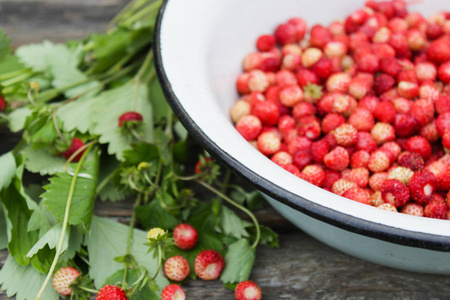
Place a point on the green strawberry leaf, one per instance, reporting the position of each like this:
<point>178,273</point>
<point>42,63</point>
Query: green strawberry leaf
<point>153,215</point>
<point>42,162</point>
<point>77,114</point>
<point>8,166</point>
<point>238,262</point>
<point>17,213</point>
<point>268,236</point>
<point>161,108</point>
<point>232,225</point>
<point>24,282</point>
<point>106,241</point>
<point>106,189</point>
<point>3,229</point>
<point>18,117</point>
<point>39,57</point>
<point>82,205</point>
<point>130,97</point>
<point>50,239</point>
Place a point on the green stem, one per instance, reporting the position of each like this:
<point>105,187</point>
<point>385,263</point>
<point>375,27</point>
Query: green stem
<point>17,79</point>
<point>159,262</point>
<point>104,182</point>
<point>145,64</point>
<point>248,212</point>
<point>124,10</point>
<point>226,180</point>
<point>87,289</point>
<point>142,13</point>
<point>129,239</point>
<point>13,74</point>
<point>65,223</point>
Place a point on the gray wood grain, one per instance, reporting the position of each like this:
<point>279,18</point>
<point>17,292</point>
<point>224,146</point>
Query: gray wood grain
<point>302,268</point>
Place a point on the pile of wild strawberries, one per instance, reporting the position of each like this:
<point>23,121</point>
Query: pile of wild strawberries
<point>360,107</point>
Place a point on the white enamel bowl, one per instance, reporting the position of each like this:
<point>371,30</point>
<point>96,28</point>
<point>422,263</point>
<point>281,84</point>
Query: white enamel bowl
<point>199,47</point>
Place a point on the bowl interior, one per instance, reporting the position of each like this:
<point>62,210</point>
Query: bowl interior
<point>201,47</point>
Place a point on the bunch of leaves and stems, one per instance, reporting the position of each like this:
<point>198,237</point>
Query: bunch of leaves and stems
<point>57,92</point>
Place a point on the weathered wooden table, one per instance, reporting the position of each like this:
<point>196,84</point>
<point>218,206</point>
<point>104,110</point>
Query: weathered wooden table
<point>302,268</point>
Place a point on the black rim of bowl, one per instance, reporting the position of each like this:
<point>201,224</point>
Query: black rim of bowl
<point>319,212</point>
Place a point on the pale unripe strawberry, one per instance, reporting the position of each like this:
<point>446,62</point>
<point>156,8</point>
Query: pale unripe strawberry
<point>412,209</point>
<point>346,135</point>
<point>401,173</point>
<point>382,35</point>
<point>252,61</point>
<point>388,207</point>
<point>378,161</point>
<point>340,186</point>
<point>269,143</point>
<point>176,268</point>
<point>239,109</point>
<point>335,49</point>
<point>376,199</point>
<point>291,95</point>
<point>257,81</point>
<point>63,278</point>
<point>311,56</point>
<point>383,132</point>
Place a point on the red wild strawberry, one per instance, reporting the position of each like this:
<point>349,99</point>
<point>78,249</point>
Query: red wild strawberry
<point>209,264</point>
<point>376,180</point>
<point>360,176</point>
<point>301,159</point>
<point>74,147</point>
<point>426,71</point>
<point>412,209</point>
<point>330,178</point>
<point>436,209</point>
<point>365,142</point>
<point>109,292</point>
<point>358,194</point>
<point>407,89</point>
<point>422,186</point>
<point>285,78</point>
<point>423,111</point>
<point>444,72</point>
<point>299,144</point>
<point>439,50</point>
<point>309,126</point>
<point>176,268</point>
<point>385,112</point>
<point>411,160</point>
<point>359,87</point>
<point>337,160</point>
<point>405,125</point>
<point>300,27</point>
<point>443,123</point>
<point>323,68</point>
<point>394,192</point>
<point>265,42</point>
<point>332,121</point>
<point>383,83</point>
<point>291,169</point>
<point>305,77</point>
<point>429,132</point>
<point>286,34</point>
<point>2,104</point>
<point>185,236</point>
<point>173,292</point>
<point>390,66</point>
<point>362,119</point>
<point>129,118</point>
<point>303,109</point>
<point>267,112</point>
<point>419,145</point>
<point>319,36</point>
<point>247,290</point>
<point>63,278</point>
<point>359,159</point>
<point>314,174</point>
<point>319,149</point>
<point>252,61</point>
<point>442,104</point>
<point>249,127</point>
<point>441,170</point>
